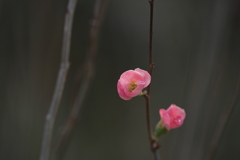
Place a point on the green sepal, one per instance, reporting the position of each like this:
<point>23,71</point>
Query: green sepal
<point>160,130</point>
<point>142,93</point>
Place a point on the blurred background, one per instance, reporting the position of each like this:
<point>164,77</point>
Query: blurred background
<point>196,47</point>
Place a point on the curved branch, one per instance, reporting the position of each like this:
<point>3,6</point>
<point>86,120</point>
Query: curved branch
<point>88,71</point>
<point>62,74</point>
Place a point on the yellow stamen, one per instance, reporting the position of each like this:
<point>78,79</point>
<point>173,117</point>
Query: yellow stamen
<point>132,86</point>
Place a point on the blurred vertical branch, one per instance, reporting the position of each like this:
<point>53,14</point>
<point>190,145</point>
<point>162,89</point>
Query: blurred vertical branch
<point>87,73</point>
<point>222,123</point>
<point>62,74</point>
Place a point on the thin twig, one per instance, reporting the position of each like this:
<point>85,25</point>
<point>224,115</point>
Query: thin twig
<point>222,123</point>
<point>154,145</point>
<point>62,74</point>
<point>151,2</point>
<point>149,130</point>
<point>71,122</point>
<point>153,142</point>
<point>95,26</point>
<point>147,96</point>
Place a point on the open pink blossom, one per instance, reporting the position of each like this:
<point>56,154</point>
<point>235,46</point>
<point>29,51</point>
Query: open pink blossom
<point>173,117</point>
<point>132,82</point>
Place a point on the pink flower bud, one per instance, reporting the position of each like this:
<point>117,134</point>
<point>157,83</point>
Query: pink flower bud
<point>173,117</point>
<point>132,82</point>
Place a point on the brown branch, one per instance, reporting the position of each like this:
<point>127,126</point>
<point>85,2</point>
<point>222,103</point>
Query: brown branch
<point>149,130</point>
<point>153,142</point>
<point>222,123</point>
<point>95,26</point>
<point>62,74</point>
<point>154,145</point>
<point>151,2</point>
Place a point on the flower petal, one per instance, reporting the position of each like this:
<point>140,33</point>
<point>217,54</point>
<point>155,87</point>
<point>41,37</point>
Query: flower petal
<point>131,76</point>
<point>165,117</point>
<point>121,92</point>
<point>146,76</point>
<point>173,117</point>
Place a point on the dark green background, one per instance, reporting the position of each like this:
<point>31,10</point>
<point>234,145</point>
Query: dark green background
<point>196,46</point>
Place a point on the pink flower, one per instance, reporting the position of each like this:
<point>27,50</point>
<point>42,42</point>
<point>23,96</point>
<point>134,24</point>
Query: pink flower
<point>173,117</point>
<point>132,82</point>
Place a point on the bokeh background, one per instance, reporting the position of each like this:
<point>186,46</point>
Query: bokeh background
<point>196,46</point>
